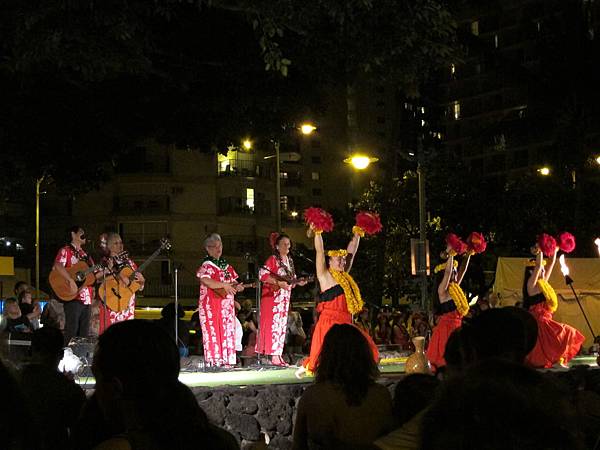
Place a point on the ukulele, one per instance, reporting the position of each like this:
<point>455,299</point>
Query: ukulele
<point>221,292</point>
<point>119,288</point>
<point>81,273</point>
<point>292,281</point>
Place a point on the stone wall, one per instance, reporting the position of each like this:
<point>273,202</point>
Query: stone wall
<point>249,412</point>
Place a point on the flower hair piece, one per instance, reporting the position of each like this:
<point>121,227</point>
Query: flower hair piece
<point>442,266</point>
<point>566,242</point>
<point>273,239</point>
<point>340,252</point>
<point>367,223</point>
<point>547,244</point>
<point>319,219</point>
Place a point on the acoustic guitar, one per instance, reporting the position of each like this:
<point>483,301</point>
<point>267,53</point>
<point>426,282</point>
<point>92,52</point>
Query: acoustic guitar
<point>119,288</point>
<point>221,292</point>
<point>81,273</point>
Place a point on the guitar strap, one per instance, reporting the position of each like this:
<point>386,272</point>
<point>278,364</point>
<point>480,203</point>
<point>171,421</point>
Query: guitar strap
<point>81,256</point>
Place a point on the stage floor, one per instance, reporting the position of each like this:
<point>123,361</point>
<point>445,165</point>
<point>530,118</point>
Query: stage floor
<point>262,375</point>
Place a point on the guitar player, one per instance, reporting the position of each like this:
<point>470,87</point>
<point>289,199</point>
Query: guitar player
<point>116,261</point>
<point>217,312</point>
<point>77,311</point>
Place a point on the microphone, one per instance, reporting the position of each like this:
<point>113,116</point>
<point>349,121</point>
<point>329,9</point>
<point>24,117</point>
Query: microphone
<point>301,255</point>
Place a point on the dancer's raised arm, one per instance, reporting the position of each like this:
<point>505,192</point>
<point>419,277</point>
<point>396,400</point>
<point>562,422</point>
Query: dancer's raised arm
<point>463,268</point>
<point>352,249</point>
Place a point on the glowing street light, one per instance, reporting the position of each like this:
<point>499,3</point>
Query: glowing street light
<point>247,144</point>
<point>307,128</point>
<point>598,159</point>
<point>360,162</point>
<point>294,214</point>
<point>545,171</point>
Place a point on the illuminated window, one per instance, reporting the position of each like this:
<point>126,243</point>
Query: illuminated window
<point>452,70</point>
<point>250,198</point>
<point>315,176</point>
<point>475,28</point>
<point>456,110</point>
<point>284,202</point>
<point>496,41</point>
<point>283,175</point>
<point>224,166</point>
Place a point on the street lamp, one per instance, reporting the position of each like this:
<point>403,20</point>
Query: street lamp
<point>247,144</point>
<point>359,161</point>
<point>544,171</point>
<point>38,183</point>
<point>307,128</point>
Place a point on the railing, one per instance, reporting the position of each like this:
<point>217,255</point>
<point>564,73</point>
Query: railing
<point>240,168</point>
<point>236,206</point>
<point>141,204</point>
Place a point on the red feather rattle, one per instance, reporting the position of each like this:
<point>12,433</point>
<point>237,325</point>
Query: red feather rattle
<point>318,219</point>
<point>367,223</point>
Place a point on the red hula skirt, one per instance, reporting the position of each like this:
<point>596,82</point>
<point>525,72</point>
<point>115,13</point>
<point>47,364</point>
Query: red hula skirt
<point>555,340</point>
<point>448,322</point>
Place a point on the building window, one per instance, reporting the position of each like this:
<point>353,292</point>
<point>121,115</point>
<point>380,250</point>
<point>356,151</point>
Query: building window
<point>380,104</point>
<point>315,176</point>
<point>496,41</point>
<point>316,160</point>
<point>475,28</point>
<point>381,120</point>
<point>315,143</point>
<point>283,175</point>
<point>456,110</point>
<point>317,192</point>
<point>250,198</point>
<point>284,202</point>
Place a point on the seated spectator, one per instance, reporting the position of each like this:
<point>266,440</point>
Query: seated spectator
<point>363,322</point>
<point>62,398</point>
<point>16,432</point>
<point>16,322</point>
<point>145,406</point>
<point>400,336</point>
<point>382,333</point>
<point>30,308</point>
<point>499,404</point>
<point>167,323</point>
<point>295,336</point>
<point>53,315</point>
<point>345,405</point>
<point>412,396</point>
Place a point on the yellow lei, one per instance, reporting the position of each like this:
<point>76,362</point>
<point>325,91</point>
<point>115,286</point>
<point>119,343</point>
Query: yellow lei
<point>442,266</point>
<point>354,301</point>
<point>549,294</point>
<point>459,298</point>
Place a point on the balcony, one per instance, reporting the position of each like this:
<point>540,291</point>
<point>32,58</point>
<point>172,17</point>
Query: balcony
<point>141,204</point>
<point>236,206</point>
<point>243,168</point>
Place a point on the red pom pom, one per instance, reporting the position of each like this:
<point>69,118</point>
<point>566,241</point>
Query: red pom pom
<point>456,243</point>
<point>476,242</point>
<point>320,219</point>
<point>566,242</point>
<point>547,244</point>
<point>369,222</point>
<point>273,239</point>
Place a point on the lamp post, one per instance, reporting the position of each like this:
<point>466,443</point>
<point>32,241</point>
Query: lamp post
<point>38,184</point>
<point>306,129</point>
<point>422,230</point>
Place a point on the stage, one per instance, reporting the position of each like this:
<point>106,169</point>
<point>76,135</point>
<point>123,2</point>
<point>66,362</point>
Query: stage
<point>193,376</point>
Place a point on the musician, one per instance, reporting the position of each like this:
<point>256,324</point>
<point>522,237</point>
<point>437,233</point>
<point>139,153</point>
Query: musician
<point>77,311</point>
<point>277,275</point>
<point>339,298</point>
<point>116,261</point>
<point>216,312</point>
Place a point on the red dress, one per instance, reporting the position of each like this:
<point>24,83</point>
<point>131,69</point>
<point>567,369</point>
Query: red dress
<point>449,321</point>
<point>555,340</point>
<point>108,317</point>
<point>274,306</point>
<point>217,317</point>
<point>332,310</point>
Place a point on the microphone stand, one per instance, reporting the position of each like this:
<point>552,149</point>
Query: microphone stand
<point>569,282</point>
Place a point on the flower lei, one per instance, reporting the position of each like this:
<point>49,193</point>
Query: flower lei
<point>341,252</point>
<point>358,230</point>
<point>459,298</point>
<point>549,294</point>
<point>221,263</point>
<point>354,301</point>
<point>442,266</point>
